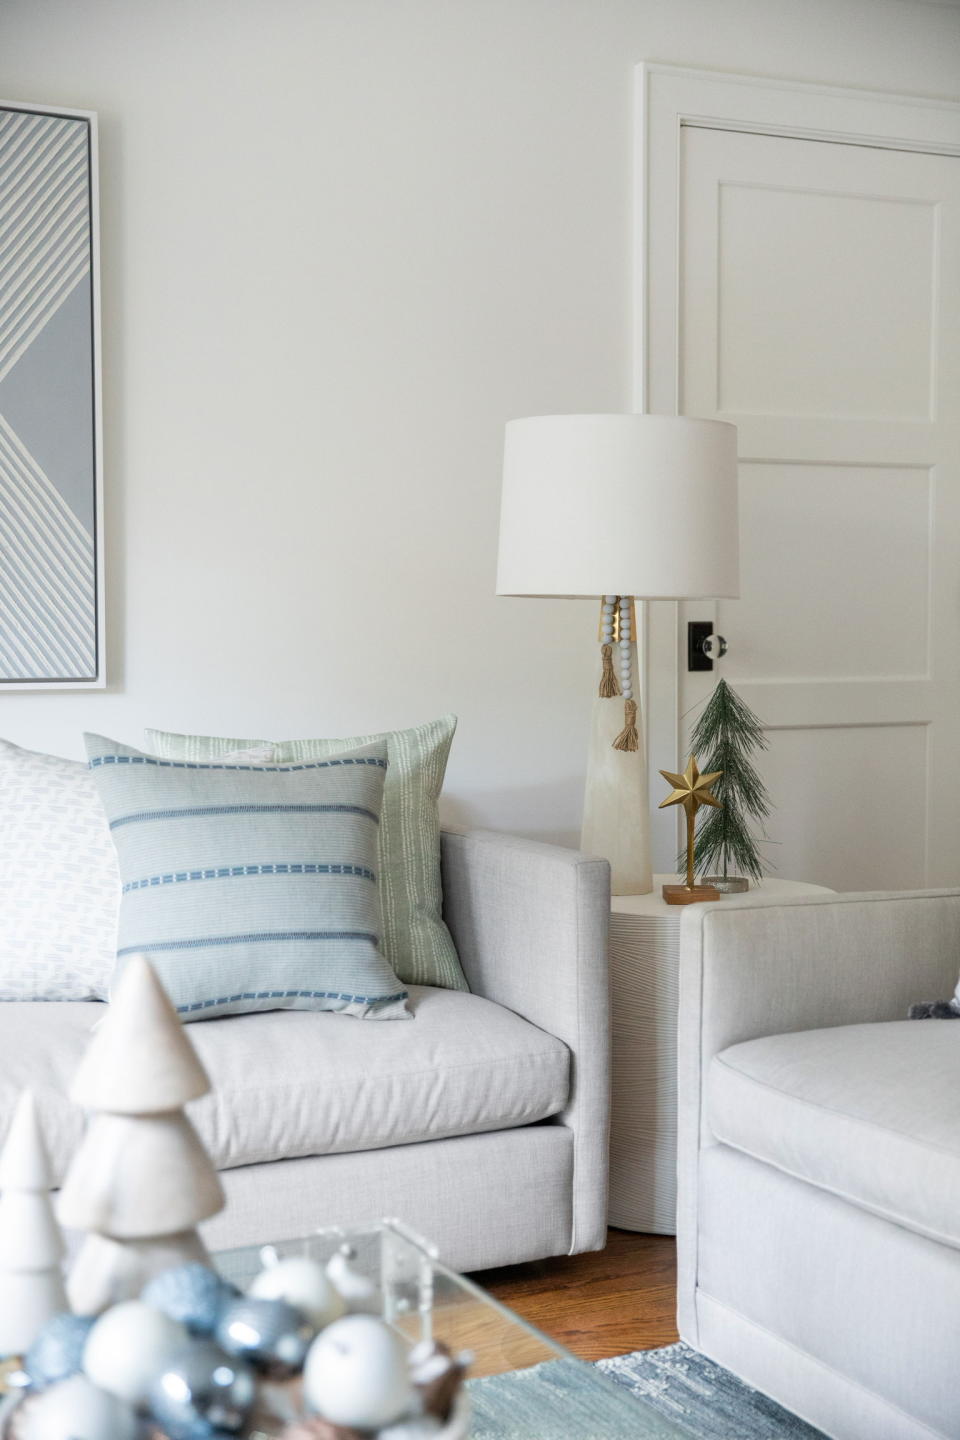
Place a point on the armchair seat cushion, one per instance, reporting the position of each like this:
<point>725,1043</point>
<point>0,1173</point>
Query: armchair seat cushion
<point>297,1083</point>
<point>870,1113</point>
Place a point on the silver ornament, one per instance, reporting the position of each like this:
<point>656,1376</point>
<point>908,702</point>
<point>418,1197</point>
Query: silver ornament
<point>193,1294</point>
<point>202,1392</point>
<point>271,1334</point>
<point>57,1351</point>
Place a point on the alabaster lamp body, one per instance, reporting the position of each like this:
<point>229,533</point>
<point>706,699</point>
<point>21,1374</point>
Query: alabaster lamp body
<point>615,794</point>
<point>619,506</point>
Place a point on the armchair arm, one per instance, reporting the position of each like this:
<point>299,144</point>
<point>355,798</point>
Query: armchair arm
<point>768,967</point>
<point>765,967</point>
<point>530,925</point>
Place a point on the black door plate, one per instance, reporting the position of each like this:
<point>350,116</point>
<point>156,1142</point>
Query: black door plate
<point>697,632</point>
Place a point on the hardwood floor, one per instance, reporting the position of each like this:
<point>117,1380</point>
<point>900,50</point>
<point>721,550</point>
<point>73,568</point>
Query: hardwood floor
<point>606,1303</point>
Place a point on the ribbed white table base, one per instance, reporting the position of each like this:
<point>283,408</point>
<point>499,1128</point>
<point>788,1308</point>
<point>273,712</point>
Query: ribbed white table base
<point>644,963</point>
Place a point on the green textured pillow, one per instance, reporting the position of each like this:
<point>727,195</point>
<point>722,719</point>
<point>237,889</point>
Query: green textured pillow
<point>251,887</point>
<point>415,940</point>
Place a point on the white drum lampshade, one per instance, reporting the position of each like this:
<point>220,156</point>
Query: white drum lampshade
<point>642,505</point>
<point>619,506</point>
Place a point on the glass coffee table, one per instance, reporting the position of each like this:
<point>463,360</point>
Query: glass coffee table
<point>522,1385</point>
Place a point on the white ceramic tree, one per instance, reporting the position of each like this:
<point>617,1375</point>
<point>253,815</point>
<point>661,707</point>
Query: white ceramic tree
<point>31,1246</point>
<point>141,1180</point>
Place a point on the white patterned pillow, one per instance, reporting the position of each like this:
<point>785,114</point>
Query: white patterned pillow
<point>59,880</point>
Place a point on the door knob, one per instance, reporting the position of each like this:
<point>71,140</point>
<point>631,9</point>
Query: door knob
<point>714,646</point>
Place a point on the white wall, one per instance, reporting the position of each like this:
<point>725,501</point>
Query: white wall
<point>343,241</point>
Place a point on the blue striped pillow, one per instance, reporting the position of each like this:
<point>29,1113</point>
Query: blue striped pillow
<point>251,887</point>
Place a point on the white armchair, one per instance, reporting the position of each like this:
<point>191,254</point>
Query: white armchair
<point>819,1166</point>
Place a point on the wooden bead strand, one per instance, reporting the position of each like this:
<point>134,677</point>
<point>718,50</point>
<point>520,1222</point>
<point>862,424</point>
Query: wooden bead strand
<point>625,637</point>
<point>628,739</point>
<point>609,685</point>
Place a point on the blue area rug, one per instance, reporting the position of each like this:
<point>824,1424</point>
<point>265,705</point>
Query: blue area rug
<point>702,1398</point>
<point>684,1397</point>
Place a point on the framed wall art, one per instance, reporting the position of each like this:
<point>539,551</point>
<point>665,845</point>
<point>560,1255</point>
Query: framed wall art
<point>51,503</point>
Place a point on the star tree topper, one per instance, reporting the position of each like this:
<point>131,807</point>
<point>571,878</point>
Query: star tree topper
<point>691,790</point>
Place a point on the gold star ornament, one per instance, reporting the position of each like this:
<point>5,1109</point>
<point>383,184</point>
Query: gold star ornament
<point>691,790</point>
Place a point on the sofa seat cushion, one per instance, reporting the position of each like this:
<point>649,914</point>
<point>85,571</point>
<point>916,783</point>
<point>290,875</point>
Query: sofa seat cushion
<point>870,1113</point>
<point>291,1083</point>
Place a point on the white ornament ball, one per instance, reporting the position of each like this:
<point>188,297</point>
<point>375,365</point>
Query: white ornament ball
<point>76,1409</point>
<point>357,1375</point>
<point>128,1345</point>
<point>303,1283</point>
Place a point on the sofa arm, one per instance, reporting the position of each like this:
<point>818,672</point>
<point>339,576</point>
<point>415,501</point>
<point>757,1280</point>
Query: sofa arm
<point>530,925</point>
<point>766,967</point>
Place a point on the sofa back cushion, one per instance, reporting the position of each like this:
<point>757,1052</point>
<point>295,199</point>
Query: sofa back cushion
<point>415,940</point>
<point>251,887</point>
<point>59,880</point>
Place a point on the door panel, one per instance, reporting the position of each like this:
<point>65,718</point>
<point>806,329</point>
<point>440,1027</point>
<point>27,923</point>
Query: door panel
<point>825,823</point>
<point>820,312</point>
<point>812,287</point>
<point>816,544</point>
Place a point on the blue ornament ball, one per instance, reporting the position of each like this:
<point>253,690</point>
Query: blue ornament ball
<point>202,1393</point>
<point>271,1334</point>
<point>57,1352</point>
<point>193,1294</point>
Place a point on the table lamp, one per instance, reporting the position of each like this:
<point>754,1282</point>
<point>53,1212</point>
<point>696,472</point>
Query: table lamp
<point>620,507</point>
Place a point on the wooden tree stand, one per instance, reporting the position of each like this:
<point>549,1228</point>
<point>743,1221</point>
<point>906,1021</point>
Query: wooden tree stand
<point>689,894</point>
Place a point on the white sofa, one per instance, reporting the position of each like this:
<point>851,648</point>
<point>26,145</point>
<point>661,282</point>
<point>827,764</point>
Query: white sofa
<point>819,1177</point>
<point>482,1123</point>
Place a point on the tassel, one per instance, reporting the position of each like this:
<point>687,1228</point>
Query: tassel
<point>609,685</point>
<point>628,739</point>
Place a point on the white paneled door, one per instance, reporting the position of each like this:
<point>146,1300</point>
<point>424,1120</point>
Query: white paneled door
<point>819,310</point>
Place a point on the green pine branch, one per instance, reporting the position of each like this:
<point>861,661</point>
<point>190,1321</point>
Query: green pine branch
<point>724,738</point>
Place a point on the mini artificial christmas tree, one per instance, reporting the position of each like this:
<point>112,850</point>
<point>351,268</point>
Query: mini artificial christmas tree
<point>727,848</point>
<point>141,1180</point>
<point>31,1246</point>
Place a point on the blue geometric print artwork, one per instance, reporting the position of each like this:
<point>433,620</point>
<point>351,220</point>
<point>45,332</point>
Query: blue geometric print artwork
<point>48,464</point>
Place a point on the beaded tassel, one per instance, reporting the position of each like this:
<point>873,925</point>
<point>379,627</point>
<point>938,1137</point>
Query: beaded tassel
<point>609,685</point>
<point>628,739</point>
<point>608,680</point>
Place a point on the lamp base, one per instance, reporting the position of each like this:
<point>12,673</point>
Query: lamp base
<point>689,895</point>
<point>616,821</point>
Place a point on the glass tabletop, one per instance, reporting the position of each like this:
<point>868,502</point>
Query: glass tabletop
<point>523,1385</point>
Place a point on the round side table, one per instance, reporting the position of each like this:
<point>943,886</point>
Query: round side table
<point>644,963</point>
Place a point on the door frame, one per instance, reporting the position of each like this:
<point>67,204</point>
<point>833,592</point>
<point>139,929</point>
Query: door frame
<point>666,99</point>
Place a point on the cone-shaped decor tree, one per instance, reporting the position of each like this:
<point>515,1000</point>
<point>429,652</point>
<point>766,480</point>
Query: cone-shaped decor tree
<point>31,1247</point>
<point>727,844</point>
<point>141,1180</point>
